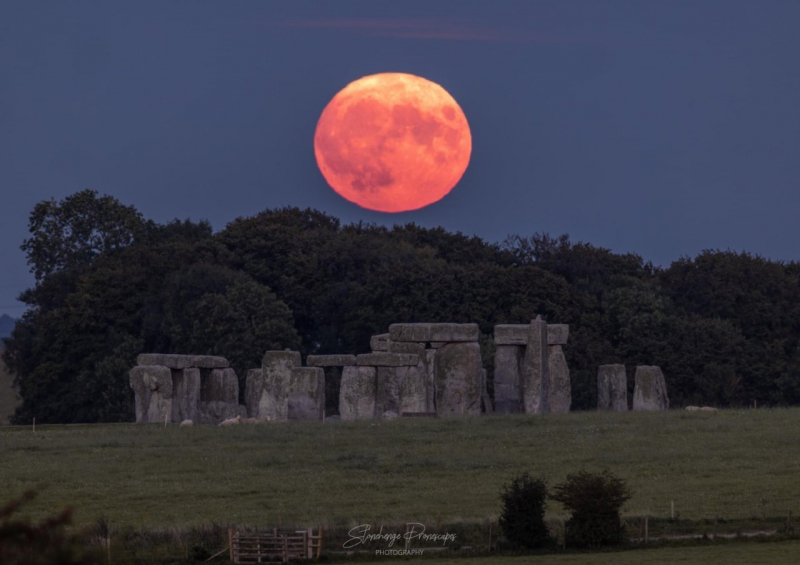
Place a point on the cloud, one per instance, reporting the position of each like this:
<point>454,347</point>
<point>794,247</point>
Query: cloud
<point>421,28</point>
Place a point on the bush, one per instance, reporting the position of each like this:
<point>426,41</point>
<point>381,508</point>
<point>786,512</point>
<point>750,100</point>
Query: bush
<point>594,500</point>
<point>522,518</point>
<point>47,543</point>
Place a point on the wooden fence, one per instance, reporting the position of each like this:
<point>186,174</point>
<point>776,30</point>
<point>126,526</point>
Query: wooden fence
<point>274,546</point>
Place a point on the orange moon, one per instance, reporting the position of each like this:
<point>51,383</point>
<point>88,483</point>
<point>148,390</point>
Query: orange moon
<point>392,142</point>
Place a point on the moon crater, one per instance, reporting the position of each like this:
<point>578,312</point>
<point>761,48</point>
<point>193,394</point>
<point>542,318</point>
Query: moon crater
<point>392,142</point>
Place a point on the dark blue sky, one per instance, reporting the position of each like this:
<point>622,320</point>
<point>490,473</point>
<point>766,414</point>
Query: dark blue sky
<point>661,128</point>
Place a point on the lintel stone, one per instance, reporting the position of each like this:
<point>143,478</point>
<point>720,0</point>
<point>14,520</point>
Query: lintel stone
<point>331,360</point>
<point>385,359</point>
<point>517,334</point>
<point>434,332</point>
<point>178,362</point>
<point>379,342</point>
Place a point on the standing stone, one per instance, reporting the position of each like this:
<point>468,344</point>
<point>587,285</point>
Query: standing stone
<point>487,401</point>
<point>430,370</point>
<point>215,412</point>
<point>458,379</point>
<point>152,386</point>
<point>535,370</point>
<point>388,390</point>
<point>306,394</point>
<point>141,393</point>
<point>650,389</point>
<point>186,394</point>
<point>507,378</point>
<point>277,368</point>
<point>253,387</point>
<point>357,393</point>
<point>560,388</point>
<point>413,388</point>
<point>612,388</point>
<point>221,385</point>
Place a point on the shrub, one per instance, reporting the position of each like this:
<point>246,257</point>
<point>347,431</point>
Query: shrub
<point>594,500</point>
<point>47,543</point>
<point>522,517</point>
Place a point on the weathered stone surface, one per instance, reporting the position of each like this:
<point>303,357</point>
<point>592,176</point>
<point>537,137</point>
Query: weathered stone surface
<point>507,378</point>
<point>612,388</point>
<point>560,387</point>
<point>186,423</point>
<point>331,360</point>
<point>216,412</point>
<point>434,332</point>
<point>306,394</point>
<point>650,389</point>
<point>379,342</point>
<point>406,347</point>
<point>511,334</point>
<point>437,344</point>
<point>430,376</point>
<point>517,334</point>
<point>708,409</point>
<point>536,370</point>
<point>185,394</point>
<point>182,361</point>
<point>386,359</point>
<point>303,407</point>
<point>390,415</point>
<point>152,387</point>
<point>557,334</point>
<point>277,367</point>
<point>692,408</point>
<point>253,388</point>
<point>488,407</point>
<point>357,393</point>
<point>387,396</point>
<point>413,388</point>
<point>221,385</point>
<point>458,379</point>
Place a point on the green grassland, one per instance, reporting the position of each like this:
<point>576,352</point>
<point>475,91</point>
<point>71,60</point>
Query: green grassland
<point>732,464</point>
<point>749,553</point>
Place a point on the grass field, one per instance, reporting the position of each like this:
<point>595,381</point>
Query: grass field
<point>731,464</point>
<point>750,553</point>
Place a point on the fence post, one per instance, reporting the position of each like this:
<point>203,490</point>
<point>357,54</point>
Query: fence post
<point>230,543</point>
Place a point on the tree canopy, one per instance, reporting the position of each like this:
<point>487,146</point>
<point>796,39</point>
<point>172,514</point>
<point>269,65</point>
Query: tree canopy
<point>723,326</point>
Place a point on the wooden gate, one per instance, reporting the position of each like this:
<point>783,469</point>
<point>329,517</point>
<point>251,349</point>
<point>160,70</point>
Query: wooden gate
<point>274,546</point>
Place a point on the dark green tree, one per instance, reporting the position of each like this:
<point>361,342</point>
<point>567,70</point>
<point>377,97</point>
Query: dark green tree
<point>522,516</point>
<point>594,501</point>
<point>77,229</point>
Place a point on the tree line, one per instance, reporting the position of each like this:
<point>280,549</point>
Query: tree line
<point>724,326</point>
